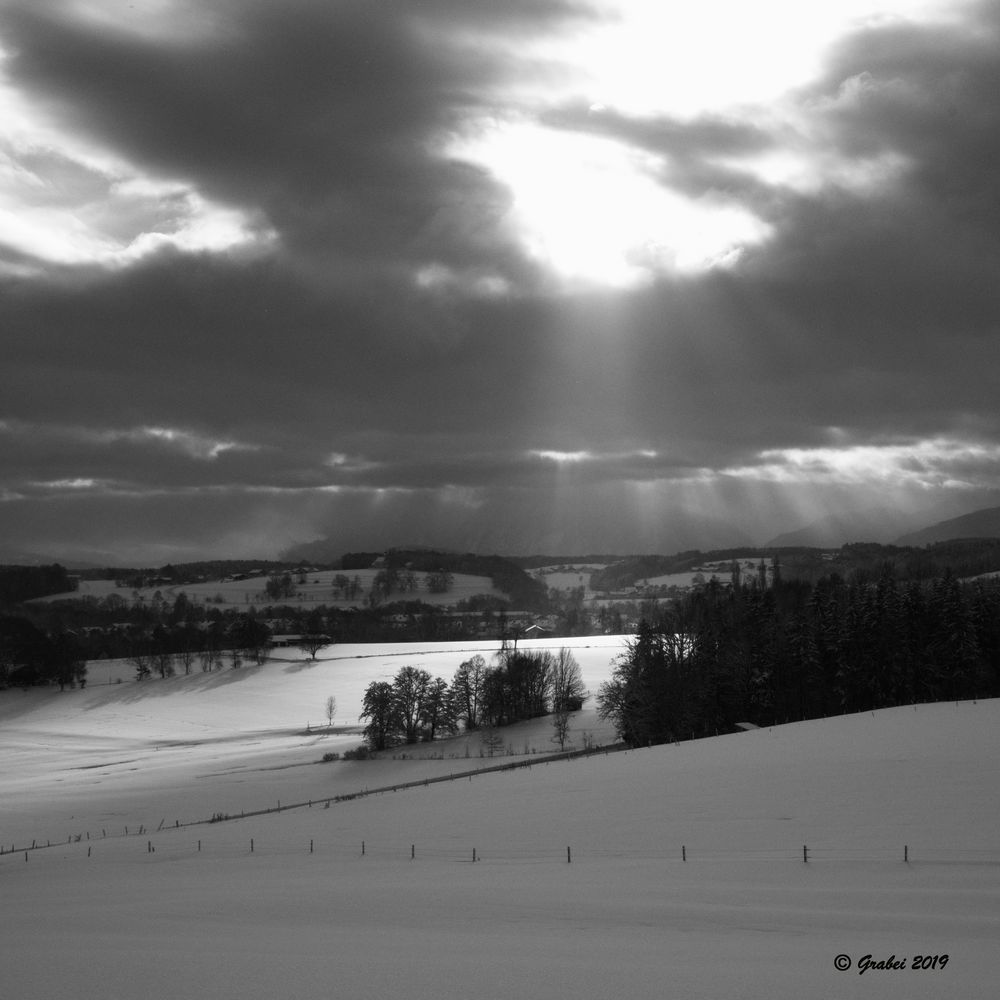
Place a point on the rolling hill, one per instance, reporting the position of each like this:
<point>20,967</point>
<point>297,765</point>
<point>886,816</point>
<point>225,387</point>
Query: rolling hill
<point>671,871</point>
<point>979,524</point>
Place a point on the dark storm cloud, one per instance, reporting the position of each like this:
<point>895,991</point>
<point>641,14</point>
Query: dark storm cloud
<point>235,345</point>
<point>894,291</point>
<point>319,115</point>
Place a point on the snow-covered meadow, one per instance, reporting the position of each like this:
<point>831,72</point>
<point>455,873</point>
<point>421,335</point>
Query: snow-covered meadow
<point>317,589</point>
<point>580,887</point>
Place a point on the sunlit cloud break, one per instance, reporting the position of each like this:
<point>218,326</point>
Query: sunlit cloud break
<point>594,212</point>
<point>191,443</point>
<point>562,457</point>
<point>937,462</point>
<point>78,483</point>
<point>68,201</point>
<point>195,445</point>
<point>584,456</point>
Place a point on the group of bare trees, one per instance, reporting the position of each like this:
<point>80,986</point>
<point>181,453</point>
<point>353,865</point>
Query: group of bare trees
<point>522,685</point>
<point>393,580</point>
<point>246,639</point>
<point>348,588</point>
<point>280,586</point>
<point>413,707</point>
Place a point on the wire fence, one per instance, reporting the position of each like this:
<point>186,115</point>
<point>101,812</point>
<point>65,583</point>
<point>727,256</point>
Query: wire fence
<point>166,842</point>
<point>151,838</point>
<point>140,830</point>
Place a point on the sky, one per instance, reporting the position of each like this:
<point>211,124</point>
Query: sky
<point>562,275</point>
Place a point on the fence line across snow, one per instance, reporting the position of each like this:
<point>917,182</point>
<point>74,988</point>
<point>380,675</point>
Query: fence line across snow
<point>687,855</point>
<point>325,802</point>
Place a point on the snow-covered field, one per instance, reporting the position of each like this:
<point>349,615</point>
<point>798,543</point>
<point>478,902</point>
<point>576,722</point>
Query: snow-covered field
<point>568,578</point>
<point>286,904</point>
<point>318,589</point>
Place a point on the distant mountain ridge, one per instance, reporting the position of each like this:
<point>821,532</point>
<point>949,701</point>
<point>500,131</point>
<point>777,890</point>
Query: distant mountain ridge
<point>882,525</point>
<point>887,525</point>
<point>979,524</point>
<point>18,557</point>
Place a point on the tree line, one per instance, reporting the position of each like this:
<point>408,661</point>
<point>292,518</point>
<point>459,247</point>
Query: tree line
<point>25,583</point>
<point>523,591</point>
<point>110,627</point>
<point>864,561</point>
<point>29,656</point>
<point>765,651</point>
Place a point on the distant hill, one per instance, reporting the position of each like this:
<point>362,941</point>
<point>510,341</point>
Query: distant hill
<point>535,531</point>
<point>979,524</point>
<point>19,557</point>
<point>883,524</point>
<point>878,524</point>
<point>537,561</point>
<point>524,591</point>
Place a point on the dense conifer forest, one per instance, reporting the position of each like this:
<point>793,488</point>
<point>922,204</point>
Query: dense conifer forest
<point>24,583</point>
<point>765,650</point>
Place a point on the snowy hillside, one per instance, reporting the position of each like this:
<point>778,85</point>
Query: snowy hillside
<point>580,886</point>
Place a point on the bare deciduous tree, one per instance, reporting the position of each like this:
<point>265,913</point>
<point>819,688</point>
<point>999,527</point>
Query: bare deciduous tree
<point>467,687</point>
<point>568,694</point>
<point>312,644</point>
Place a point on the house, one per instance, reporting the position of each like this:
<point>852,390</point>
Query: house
<point>285,640</point>
<point>535,632</point>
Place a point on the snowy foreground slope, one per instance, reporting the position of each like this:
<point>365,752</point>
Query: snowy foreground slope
<point>287,905</point>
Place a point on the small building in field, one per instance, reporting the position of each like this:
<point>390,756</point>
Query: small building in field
<point>285,640</point>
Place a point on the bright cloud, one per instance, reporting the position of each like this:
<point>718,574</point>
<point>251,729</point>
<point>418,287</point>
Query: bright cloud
<point>562,457</point>
<point>66,200</point>
<point>191,443</point>
<point>78,483</point>
<point>647,59</point>
<point>935,463</point>
<point>596,212</point>
<point>640,456</point>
